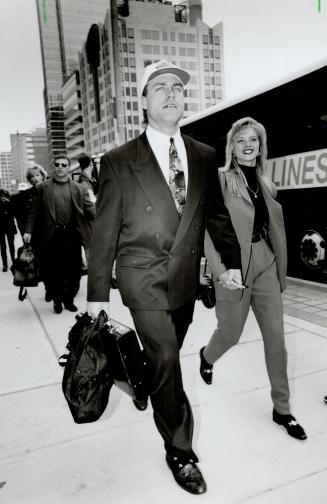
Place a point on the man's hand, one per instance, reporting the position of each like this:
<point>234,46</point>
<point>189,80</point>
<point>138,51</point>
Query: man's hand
<point>27,237</point>
<point>93,308</point>
<point>231,279</point>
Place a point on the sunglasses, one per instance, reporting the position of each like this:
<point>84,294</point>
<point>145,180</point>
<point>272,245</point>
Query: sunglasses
<point>64,165</point>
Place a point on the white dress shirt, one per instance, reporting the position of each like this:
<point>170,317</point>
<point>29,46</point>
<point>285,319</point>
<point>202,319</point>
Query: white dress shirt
<point>160,144</point>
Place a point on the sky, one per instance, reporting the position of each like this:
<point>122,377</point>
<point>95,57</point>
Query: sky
<point>265,42</point>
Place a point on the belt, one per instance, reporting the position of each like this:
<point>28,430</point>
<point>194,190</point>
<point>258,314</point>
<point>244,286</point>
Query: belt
<point>64,228</point>
<point>257,237</point>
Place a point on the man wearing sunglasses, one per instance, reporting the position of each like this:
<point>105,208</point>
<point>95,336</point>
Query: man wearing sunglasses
<point>151,207</point>
<point>60,221</point>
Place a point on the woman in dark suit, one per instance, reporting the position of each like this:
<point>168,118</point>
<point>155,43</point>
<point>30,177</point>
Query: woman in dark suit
<point>258,222</point>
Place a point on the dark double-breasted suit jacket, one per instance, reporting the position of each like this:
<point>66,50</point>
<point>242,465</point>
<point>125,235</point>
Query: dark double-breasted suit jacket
<point>157,254</point>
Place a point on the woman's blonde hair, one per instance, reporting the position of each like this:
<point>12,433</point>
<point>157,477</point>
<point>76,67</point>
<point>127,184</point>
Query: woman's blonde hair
<point>246,122</point>
<point>233,174</point>
<point>35,168</point>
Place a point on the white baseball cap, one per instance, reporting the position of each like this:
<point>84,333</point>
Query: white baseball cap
<point>162,67</point>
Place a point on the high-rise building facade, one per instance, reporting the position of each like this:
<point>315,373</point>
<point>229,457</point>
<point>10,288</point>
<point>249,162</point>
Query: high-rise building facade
<point>26,149</point>
<point>73,116</point>
<point>6,174</point>
<point>63,26</point>
<point>116,52</point>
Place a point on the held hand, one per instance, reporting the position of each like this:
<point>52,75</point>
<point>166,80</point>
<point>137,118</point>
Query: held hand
<point>231,279</point>
<point>93,308</point>
<point>27,237</point>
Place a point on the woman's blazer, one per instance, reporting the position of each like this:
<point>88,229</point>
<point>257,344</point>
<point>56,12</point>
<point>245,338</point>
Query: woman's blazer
<point>241,211</point>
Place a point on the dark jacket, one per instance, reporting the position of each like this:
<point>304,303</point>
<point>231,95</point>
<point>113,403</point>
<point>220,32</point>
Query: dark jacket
<point>41,218</point>
<point>157,255</point>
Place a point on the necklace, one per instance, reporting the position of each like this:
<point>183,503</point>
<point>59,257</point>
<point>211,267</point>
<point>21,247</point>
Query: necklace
<point>255,193</point>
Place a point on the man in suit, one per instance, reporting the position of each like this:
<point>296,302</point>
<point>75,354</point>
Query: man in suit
<point>60,221</point>
<point>151,207</point>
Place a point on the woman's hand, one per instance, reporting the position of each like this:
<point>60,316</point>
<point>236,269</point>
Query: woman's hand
<point>231,279</point>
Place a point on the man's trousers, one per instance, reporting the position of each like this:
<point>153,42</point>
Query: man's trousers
<point>162,334</point>
<point>61,264</point>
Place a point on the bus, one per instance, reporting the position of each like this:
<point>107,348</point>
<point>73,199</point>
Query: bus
<point>294,113</point>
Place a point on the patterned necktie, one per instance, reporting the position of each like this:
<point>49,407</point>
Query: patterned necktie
<point>176,178</point>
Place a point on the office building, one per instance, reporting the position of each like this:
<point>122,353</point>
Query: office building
<point>6,174</point>
<point>63,26</point>
<point>115,53</point>
<point>73,117</point>
<point>26,149</point>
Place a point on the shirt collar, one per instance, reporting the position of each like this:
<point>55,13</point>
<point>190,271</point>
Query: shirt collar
<point>154,135</point>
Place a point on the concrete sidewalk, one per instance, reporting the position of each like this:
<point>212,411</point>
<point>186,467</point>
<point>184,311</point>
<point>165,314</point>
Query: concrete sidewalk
<point>244,456</point>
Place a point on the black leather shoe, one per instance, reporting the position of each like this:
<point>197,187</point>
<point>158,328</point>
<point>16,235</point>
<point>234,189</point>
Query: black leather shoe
<point>57,306</point>
<point>71,307</point>
<point>140,404</point>
<point>325,399</point>
<point>206,369</point>
<point>47,297</point>
<point>187,475</point>
<point>293,428</point>
<point>4,269</point>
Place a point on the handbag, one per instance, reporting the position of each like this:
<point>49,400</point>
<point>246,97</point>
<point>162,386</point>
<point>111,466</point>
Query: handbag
<point>25,270</point>
<point>87,379</point>
<point>207,293</point>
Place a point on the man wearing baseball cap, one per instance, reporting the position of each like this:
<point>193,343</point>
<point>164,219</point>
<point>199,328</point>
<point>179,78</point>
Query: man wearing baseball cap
<point>156,192</point>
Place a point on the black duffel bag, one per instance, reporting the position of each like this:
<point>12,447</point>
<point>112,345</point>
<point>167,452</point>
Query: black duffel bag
<point>87,379</point>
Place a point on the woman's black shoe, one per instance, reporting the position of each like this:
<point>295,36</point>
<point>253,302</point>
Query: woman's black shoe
<point>206,369</point>
<point>4,269</point>
<point>293,428</point>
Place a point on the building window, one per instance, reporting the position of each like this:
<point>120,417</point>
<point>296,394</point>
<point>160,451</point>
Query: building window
<point>217,53</point>
<point>216,40</point>
<point>136,120</point>
<point>207,94</point>
<point>205,39</point>
<point>127,91</point>
<point>164,36</point>
<point>131,47</point>
<point>182,51</point>
<point>147,49</point>
<point>132,62</point>
<point>190,37</point>
<point>155,35</point>
<point>205,53</point>
<point>173,51</point>
<point>156,49</point>
<point>146,34</point>
<point>172,36</point>
<point>135,106</point>
<point>128,105</point>
<point>165,50</point>
<point>194,107</point>
<point>193,93</point>
<point>191,51</point>
<point>207,80</point>
<point>134,91</point>
<point>133,77</point>
<point>130,32</point>
<point>206,67</point>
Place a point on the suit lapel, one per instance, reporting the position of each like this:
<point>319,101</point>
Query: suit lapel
<point>152,181</point>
